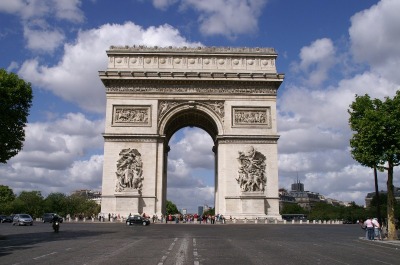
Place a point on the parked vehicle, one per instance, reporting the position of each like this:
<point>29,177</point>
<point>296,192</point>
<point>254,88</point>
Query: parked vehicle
<point>22,219</point>
<point>137,220</point>
<point>6,219</point>
<point>48,217</point>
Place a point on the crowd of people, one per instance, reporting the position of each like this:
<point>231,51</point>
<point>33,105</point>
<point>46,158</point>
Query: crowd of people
<point>190,218</point>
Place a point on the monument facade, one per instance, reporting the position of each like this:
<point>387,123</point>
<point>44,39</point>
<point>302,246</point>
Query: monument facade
<point>153,92</point>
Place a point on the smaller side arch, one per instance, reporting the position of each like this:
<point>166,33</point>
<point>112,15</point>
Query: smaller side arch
<point>190,114</point>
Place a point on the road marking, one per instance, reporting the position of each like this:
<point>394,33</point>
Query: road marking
<point>163,258</point>
<point>52,253</point>
<point>182,252</point>
<point>195,252</point>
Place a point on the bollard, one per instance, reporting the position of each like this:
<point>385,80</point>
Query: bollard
<point>284,222</point>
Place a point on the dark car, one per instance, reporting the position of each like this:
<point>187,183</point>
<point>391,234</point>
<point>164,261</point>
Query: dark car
<point>6,219</point>
<point>48,217</point>
<point>137,220</point>
<point>22,219</point>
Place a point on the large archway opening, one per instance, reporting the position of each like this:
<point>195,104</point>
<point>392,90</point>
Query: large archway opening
<point>191,170</point>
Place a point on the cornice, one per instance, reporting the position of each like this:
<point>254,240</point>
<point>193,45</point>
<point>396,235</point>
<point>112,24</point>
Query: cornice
<point>247,139</point>
<point>192,61</point>
<point>193,50</point>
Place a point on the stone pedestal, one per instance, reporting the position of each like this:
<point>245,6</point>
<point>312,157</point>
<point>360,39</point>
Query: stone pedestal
<point>248,204</point>
<point>127,202</point>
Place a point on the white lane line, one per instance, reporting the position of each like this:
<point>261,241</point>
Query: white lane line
<point>195,252</point>
<point>168,252</point>
<point>181,256</point>
<point>172,244</point>
<point>52,253</point>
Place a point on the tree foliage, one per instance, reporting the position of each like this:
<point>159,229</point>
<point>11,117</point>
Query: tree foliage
<point>171,208</point>
<point>15,102</point>
<point>376,141</point>
<point>6,194</point>
<point>33,203</point>
<point>292,208</point>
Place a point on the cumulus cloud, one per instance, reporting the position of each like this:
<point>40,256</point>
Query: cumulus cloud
<point>191,169</point>
<point>75,77</point>
<point>57,156</point>
<point>375,38</point>
<point>36,19</point>
<point>313,119</point>
<point>228,18</point>
<point>163,4</point>
<point>315,61</point>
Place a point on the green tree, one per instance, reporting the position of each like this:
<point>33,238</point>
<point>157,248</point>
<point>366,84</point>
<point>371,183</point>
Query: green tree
<point>15,102</point>
<point>55,203</point>
<point>32,202</point>
<point>292,208</point>
<point>6,194</point>
<point>171,208</point>
<point>376,141</point>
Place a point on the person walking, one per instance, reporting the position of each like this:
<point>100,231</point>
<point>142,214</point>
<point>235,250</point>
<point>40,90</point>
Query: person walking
<point>370,228</point>
<point>377,229</point>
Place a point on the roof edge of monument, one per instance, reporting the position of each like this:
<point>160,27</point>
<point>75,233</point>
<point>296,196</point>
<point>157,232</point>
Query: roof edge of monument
<point>196,50</point>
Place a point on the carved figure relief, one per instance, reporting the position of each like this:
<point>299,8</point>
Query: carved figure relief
<point>164,106</point>
<point>251,116</point>
<point>216,106</point>
<point>252,175</point>
<point>129,171</point>
<point>131,115</point>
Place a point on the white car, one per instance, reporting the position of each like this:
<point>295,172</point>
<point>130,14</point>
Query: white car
<point>22,219</point>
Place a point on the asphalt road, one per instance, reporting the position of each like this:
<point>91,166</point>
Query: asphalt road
<point>116,243</point>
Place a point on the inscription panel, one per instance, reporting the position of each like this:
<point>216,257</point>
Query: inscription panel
<point>130,115</point>
<point>251,116</point>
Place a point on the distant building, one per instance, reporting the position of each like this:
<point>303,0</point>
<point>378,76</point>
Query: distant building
<point>370,195</point>
<point>89,194</point>
<point>285,197</point>
<point>200,210</point>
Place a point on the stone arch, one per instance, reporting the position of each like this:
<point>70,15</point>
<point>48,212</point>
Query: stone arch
<point>152,92</point>
<point>190,114</point>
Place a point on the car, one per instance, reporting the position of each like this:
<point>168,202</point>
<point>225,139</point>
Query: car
<point>22,219</point>
<point>48,217</point>
<point>137,220</point>
<point>5,219</point>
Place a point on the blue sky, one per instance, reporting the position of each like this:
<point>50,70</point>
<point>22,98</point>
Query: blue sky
<point>328,50</point>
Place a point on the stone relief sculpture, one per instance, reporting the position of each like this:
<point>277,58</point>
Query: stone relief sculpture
<point>218,107</point>
<point>252,176</point>
<point>129,171</point>
<point>165,105</point>
<point>251,116</point>
<point>131,115</point>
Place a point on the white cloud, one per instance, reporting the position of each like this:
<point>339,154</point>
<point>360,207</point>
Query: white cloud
<point>56,156</point>
<point>61,9</point>
<point>44,40</point>
<point>163,4</point>
<point>224,17</point>
<point>37,19</point>
<point>313,120</point>
<point>375,38</point>
<point>75,77</point>
<point>316,60</point>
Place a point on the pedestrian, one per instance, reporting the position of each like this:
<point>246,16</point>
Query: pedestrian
<point>377,229</point>
<point>370,228</point>
<point>363,227</point>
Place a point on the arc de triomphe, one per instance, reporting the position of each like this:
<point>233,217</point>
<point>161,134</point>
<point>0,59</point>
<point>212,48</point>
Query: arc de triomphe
<point>153,92</point>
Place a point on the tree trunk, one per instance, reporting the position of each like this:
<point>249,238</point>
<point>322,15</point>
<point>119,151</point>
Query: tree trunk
<point>392,233</point>
<point>378,206</point>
